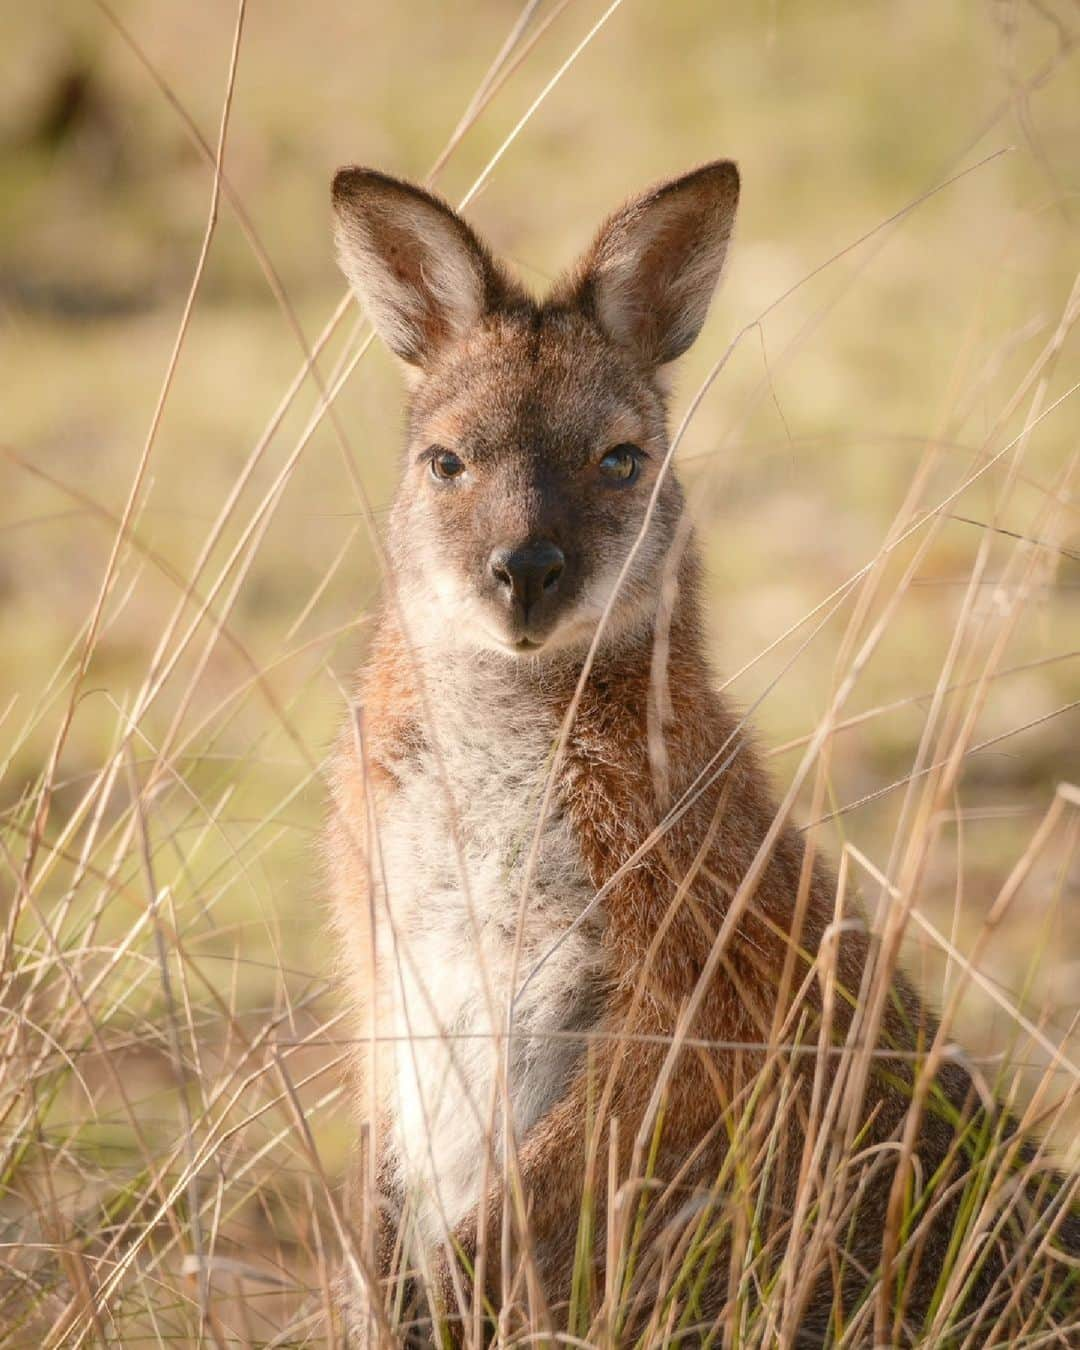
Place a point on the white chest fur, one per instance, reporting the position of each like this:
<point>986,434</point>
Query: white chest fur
<point>454,844</point>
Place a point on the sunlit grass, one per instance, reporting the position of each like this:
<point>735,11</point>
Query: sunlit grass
<point>175,1120</point>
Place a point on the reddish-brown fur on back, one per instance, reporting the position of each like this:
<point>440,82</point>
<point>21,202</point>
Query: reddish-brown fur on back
<point>589,926</point>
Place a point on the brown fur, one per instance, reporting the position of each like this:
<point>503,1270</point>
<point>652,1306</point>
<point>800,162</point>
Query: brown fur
<point>532,392</point>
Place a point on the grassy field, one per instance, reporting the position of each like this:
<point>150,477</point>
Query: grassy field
<point>883,474</point>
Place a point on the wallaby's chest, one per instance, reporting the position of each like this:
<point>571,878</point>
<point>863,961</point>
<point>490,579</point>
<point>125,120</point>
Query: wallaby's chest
<point>470,921</point>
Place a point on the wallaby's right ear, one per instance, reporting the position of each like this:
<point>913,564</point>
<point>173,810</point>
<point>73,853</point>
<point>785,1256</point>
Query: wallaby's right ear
<point>651,271</point>
<point>420,273</point>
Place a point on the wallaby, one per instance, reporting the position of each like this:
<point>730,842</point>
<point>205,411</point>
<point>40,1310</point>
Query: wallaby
<point>597,993</point>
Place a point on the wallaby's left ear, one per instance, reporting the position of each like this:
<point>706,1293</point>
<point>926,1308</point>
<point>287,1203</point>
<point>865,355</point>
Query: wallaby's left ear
<point>420,272</point>
<point>652,269</point>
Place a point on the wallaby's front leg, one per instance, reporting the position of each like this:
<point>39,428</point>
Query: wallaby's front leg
<point>547,1184</point>
<point>367,1281</point>
<point>563,1161</point>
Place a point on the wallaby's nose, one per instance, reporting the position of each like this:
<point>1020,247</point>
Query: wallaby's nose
<point>527,572</point>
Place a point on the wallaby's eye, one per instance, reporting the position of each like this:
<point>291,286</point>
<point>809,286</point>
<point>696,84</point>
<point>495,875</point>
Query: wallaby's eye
<point>622,464</point>
<point>445,464</point>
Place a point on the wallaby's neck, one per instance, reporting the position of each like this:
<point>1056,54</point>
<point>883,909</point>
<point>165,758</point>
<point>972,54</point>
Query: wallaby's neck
<point>458,689</point>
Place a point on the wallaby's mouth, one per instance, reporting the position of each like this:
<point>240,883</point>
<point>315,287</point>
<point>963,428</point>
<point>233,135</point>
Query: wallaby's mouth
<point>526,639</point>
<point>521,646</point>
<point>512,641</point>
<point>572,629</point>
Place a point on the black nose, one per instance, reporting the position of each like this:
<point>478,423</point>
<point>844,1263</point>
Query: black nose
<point>529,571</point>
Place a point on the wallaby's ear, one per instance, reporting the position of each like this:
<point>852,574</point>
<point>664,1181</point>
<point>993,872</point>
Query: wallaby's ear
<point>652,269</point>
<point>420,273</point>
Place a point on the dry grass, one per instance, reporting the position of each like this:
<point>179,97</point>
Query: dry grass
<point>174,1122</point>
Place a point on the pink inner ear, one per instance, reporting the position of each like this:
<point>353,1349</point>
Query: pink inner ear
<point>652,302</point>
<point>651,271</point>
<point>667,253</point>
<point>403,256</point>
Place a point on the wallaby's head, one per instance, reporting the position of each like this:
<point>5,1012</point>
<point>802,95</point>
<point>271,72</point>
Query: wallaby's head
<point>536,429</point>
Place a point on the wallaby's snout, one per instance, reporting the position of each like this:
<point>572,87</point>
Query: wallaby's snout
<point>526,579</point>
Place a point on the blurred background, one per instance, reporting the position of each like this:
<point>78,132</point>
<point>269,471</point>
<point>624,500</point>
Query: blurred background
<point>172,786</point>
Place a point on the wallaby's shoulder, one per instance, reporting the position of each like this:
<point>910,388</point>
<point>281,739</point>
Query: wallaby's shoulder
<point>385,725</point>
